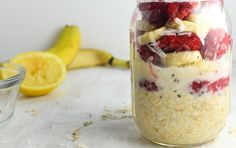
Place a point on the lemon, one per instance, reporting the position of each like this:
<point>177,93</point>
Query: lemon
<point>8,70</point>
<point>44,72</point>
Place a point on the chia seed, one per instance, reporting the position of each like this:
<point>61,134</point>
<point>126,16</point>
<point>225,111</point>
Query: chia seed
<point>176,81</point>
<point>179,96</point>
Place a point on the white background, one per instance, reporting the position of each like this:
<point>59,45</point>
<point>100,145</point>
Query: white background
<point>27,25</point>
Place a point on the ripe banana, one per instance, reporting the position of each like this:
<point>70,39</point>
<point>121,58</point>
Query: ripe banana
<point>182,58</point>
<point>151,36</point>
<point>145,26</point>
<point>95,57</point>
<point>67,44</point>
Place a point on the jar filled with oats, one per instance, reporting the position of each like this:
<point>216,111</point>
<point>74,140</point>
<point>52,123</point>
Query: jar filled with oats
<point>181,66</point>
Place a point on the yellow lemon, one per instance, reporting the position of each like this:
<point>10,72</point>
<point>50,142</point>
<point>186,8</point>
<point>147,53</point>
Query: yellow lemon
<point>8,70</point>
<point>44,72</point>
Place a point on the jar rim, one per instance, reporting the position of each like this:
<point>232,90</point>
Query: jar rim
<point>12,80</point>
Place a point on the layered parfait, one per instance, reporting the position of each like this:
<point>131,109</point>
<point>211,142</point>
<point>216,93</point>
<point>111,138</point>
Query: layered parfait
<point>181,71</point>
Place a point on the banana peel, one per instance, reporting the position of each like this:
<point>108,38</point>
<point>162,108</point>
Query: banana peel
<point>68,44</point>
<point>95,57</point>
<point>67,48</point>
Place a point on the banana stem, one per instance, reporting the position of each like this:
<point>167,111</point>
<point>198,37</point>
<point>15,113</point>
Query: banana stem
<point>115,62</point>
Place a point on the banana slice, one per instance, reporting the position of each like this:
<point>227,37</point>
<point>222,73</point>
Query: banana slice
<point>151,36</point>
<point>206,66</point>
<point>182,58</point>
<point>199,29</point>
<point>145,26</point>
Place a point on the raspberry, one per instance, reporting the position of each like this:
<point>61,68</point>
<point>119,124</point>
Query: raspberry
<point>146,54</point>
<point>178,42</point>
<point>198,86</point>
<point>148,85</point>
<point>218,85</point>
<point>151,6</point>
<point>158,13</point>
<point>154,12</point>
<point>180,10</point>
<point>217,42</point>
<point>202,86</point>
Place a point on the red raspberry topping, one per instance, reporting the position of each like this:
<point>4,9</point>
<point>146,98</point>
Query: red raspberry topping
<point>198,86</point>
<point>203,86</point>
<point>180,10</point>
<point>148,55</point>
<point>151,6</point>
<point>218,85</point>
<point>178,42</point>
<point>148,85</point>
<point>154,12</point>
<point>217,43</point>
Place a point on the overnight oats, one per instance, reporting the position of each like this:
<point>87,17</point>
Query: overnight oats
<point>181,67</point>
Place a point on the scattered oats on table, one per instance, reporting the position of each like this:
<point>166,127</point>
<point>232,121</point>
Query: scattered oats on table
<point>124,110</point>
<point>108,116</point>
<point>88,123</point>
<point>75,135</point>
<point>120,113</point>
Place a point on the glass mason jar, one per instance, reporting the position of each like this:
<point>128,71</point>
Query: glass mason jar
<point>181,70</point>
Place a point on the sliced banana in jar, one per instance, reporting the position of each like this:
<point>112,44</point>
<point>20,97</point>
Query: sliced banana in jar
<point>145,26</point>
<point>182,58</point>
<point>206,66</point>
<point>151,36</point>
<point>187,26</point>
